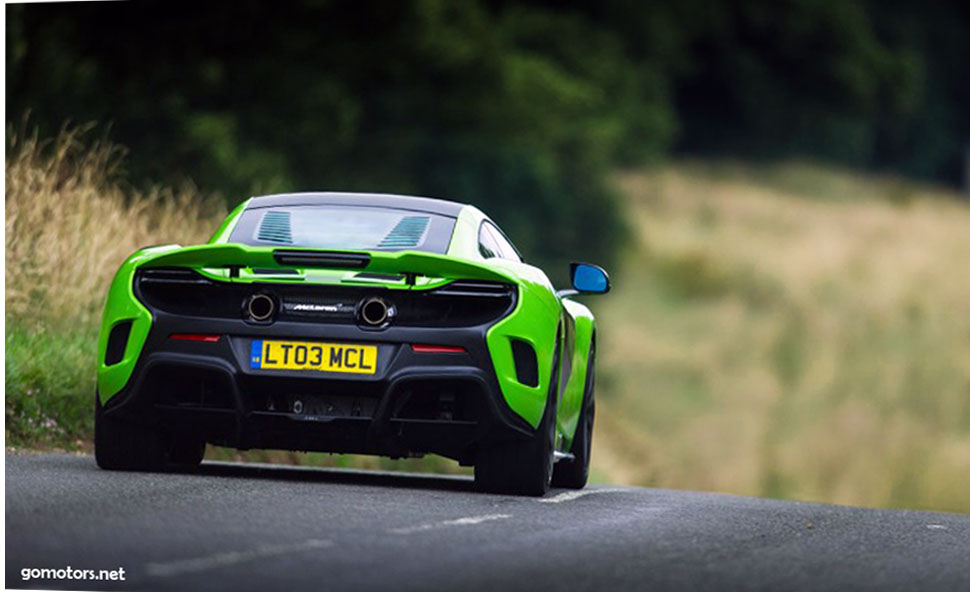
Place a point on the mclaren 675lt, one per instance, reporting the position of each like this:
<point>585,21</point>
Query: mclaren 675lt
<point>350,323</point>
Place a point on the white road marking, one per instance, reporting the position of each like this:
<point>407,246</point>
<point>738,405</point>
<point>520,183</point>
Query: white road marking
<point>571,495</point>
<point>195,564</point>
<point>469,521</point>
<point>936,527</point>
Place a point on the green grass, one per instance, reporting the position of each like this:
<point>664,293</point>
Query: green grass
<point>50,382</point>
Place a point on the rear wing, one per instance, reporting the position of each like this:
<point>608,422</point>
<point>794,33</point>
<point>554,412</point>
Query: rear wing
<point>410,264</point>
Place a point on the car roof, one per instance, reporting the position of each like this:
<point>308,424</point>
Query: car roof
<point>372,200</point>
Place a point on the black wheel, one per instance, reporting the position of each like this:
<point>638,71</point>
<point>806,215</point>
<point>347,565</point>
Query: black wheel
<point>574,474</point>
<point>185,453</point>
<point>522,468</point>
<point>122,446</point>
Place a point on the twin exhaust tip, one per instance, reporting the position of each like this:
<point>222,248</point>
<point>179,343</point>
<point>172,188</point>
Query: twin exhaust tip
<point>374,312</point>
<point>371,312</point>
<point>260,307</point>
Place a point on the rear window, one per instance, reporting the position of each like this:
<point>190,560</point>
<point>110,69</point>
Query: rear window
<point>344,227</point>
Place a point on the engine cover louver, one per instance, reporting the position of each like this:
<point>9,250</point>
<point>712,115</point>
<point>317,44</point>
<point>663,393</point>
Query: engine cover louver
<point>407,233</point>
<point>275,228</point>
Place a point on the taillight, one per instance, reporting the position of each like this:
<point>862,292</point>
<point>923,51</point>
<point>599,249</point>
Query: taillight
<point>204,337</point>
<point>420,348</point>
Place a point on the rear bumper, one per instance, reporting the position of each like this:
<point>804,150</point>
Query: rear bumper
<point>414,403</point>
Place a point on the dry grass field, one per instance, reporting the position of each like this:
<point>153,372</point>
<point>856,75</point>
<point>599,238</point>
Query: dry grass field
<point>71,220</point>
<point>792,332</point>
<point>787,331</point>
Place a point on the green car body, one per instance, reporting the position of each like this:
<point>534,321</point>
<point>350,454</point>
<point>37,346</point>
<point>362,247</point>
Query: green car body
<point>476,261</point>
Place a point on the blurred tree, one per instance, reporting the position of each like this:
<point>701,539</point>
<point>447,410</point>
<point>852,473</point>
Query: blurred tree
<point>429,97</point>
<point>520,107</point>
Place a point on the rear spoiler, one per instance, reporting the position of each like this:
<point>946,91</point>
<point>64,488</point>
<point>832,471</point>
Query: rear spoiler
<point>410,264</point>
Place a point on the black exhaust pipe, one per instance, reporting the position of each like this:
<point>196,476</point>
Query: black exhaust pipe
<point>375,312</point>
<point>260,307</point>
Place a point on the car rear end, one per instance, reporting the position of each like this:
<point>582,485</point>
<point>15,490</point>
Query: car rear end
<point>364,362</point>
<point>325,322</point>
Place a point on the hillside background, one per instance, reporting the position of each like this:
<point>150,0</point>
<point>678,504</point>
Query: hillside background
<point>775,187</point>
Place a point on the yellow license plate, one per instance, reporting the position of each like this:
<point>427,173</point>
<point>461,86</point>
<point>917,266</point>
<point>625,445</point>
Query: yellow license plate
<point>308,355</point>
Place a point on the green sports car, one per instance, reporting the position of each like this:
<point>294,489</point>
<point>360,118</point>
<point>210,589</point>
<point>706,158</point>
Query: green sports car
<point>353,323</point>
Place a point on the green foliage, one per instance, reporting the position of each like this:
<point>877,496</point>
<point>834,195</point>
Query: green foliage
<point>499,108</point>
<point>868,84</point>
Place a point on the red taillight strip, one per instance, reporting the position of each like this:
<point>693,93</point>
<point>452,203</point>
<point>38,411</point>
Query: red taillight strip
<point>420,348</point>
<point>194,337</point>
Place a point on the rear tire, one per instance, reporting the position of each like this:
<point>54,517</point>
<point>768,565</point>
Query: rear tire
<point>185,453</point>
<point>574,474</point>
<point>122,446</point>
<point>522,468</point>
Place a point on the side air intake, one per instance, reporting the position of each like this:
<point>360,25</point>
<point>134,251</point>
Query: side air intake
<point>117,342</point>
<point>526,365</point>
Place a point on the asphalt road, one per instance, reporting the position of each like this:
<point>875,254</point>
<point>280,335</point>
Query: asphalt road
<point>253,527</point>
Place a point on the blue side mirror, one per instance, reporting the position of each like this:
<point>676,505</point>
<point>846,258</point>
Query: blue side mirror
<point>589,279</point>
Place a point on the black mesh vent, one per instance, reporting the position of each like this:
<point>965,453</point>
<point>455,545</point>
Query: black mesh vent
<point>438,400</point>
<point>459,304</point>
<point>117,342</point>
<point>526,366</point>
<point>182,386</point>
